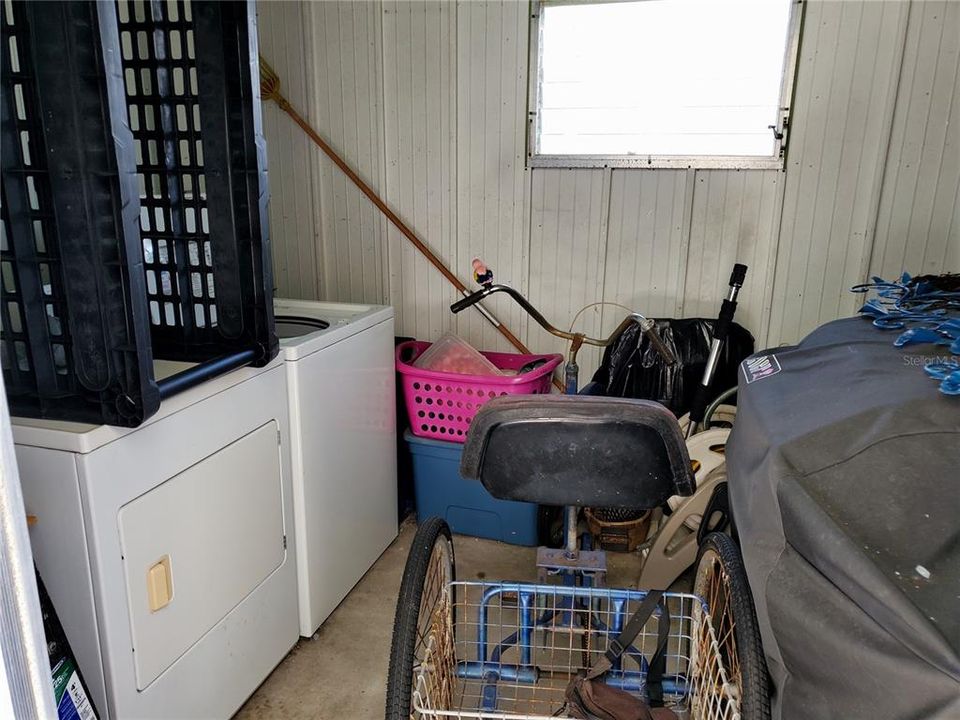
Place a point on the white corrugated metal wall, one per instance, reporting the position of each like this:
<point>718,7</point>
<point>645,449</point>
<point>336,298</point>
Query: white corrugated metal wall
<point>428,101</point>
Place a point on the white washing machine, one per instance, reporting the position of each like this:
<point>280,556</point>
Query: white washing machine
<point>342,399</point>
<point>168,549</point>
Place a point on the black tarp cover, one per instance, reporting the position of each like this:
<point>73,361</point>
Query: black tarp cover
<point>844,467</point>
<point>632,368</point>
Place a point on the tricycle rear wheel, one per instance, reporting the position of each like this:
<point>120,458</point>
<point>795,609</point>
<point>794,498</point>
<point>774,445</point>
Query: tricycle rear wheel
<point>427,579</point>
<point>722,582</point>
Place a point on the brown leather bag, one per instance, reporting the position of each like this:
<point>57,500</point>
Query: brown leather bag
<point>595,700</point>
<point>589,698</point>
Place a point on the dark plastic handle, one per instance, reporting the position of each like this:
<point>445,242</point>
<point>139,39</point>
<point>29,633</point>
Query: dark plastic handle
<point>469,300</point>
<point>719,503</point>
<point>738,275</point>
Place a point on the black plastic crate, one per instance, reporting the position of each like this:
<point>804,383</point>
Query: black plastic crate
<point>120,247</point>
<point>75,341</point>
<point>192,85</point>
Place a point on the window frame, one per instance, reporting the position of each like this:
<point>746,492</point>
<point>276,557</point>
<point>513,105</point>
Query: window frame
<point>775,161</point>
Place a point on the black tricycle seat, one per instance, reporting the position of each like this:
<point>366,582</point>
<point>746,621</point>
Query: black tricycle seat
<point>578,450</point>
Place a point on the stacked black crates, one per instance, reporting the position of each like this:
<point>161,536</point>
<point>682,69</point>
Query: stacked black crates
<point>134,203</point>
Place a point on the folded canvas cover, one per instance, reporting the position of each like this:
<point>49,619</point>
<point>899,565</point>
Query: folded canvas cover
<point>844,476</point>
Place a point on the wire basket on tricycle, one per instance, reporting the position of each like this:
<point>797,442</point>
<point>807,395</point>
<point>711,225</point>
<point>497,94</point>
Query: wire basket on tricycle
<point>509,650</point>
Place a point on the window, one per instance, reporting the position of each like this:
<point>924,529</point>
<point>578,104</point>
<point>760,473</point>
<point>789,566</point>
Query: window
<point>662,83</point>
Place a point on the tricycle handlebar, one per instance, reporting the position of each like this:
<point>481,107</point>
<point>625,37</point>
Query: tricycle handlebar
<point>646,325</point>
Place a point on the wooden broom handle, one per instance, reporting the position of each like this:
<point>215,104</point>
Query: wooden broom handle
<point>275,95</point>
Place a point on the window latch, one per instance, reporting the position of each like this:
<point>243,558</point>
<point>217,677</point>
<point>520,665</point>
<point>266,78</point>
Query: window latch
<point>780,134</point>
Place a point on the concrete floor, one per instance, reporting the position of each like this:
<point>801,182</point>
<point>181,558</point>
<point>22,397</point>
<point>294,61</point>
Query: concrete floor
<point>341,672</point>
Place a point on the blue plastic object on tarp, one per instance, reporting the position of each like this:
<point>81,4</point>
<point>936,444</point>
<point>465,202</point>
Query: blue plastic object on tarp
<point>465,504</point>
<point>926,309</point>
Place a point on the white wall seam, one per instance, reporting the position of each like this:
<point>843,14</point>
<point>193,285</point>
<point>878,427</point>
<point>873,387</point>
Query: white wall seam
<point>923,143</point>
<point>846,149</point>
<point>890,185</point>
<point>953,221</point>
<point>382,224</point>
<point>690,186</point>
<point>819,160</point>
<point>316,170</point>
<point>913,190</point>
<point>931,128</point>
<point>770,268</point>
<point>940,163</point>
<point>874,216</point>
<point>607,182</point>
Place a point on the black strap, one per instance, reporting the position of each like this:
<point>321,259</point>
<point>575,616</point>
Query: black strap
<point>657,665</point>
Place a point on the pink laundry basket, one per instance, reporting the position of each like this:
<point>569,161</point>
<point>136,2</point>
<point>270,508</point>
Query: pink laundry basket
<point>441,405</point>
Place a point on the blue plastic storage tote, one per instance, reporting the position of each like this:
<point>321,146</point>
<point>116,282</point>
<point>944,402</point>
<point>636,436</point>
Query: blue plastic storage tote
<point>465,504</point>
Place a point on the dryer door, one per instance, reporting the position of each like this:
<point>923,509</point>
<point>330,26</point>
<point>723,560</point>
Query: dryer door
<point>195,546</point>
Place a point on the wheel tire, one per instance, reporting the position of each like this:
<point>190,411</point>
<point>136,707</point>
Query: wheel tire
<point>722,581</point>
<point>432,544</point>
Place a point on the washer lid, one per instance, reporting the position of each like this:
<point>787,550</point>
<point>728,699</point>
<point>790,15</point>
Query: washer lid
<point>304,327</point>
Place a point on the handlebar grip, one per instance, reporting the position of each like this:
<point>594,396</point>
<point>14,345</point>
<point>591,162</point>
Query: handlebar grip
<point>469,300</point>
<point>738,275</point>
<point>698,407</point>
<point>651,332</point>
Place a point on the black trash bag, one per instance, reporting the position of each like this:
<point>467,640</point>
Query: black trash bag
<point>631,368</point>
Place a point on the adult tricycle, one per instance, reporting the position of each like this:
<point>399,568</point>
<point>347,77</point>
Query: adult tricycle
<point>508,650</point>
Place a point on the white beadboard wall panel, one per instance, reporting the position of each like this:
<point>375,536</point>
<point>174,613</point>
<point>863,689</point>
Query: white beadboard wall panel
<point>846,84</point>
<point>918,223</point>
<point>293,235</point>
<point>646,241</point>
<point>428,100</point>
<point>419,75</point>
<point>491,47</point>
<point>567,258</point>
<point>734,219</point>
<point>346,108</point>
